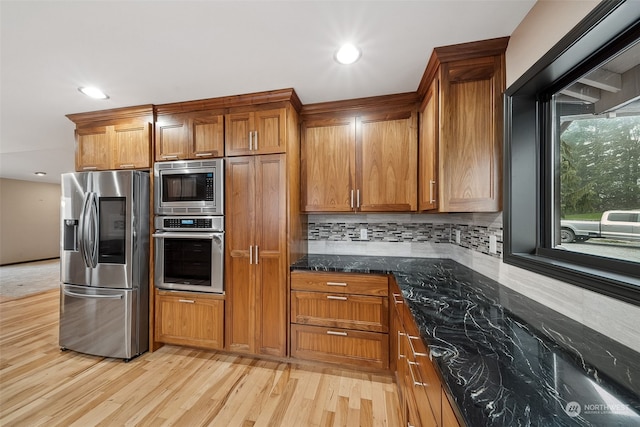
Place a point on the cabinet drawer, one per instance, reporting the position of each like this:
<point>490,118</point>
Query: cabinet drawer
<point>343,283</point>
<point>337,345</point>
<point>363,312</point>
<point>190,319</point>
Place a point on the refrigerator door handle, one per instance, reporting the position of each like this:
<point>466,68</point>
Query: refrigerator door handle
<point>74,294</point>
<point>82,241</point>
<point>93,209</point>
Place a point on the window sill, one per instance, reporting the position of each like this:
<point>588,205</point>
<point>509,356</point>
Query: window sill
<point>620,286</point>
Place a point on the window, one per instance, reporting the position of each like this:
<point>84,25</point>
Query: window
<point>572,157</point>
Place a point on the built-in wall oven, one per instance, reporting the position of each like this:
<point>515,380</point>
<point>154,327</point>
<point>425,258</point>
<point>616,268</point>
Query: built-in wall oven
<point>189,253</point>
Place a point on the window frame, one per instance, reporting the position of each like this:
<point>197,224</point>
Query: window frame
<point>528,155</point>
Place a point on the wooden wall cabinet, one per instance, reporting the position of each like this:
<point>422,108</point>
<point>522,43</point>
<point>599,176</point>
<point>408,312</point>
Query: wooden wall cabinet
<point>113,139</point>
<point>189,318</point>
<point>193,135</point>
<point>428,148</point>
<point>363,163</point>
<point>461,128</point>
<point>423,401</point>
<point>340,318</point>
<point>256,132</point>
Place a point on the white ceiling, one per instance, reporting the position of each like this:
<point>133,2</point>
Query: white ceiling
<point>156,52</point>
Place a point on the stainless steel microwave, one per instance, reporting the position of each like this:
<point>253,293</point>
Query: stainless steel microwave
<point>193,187</point>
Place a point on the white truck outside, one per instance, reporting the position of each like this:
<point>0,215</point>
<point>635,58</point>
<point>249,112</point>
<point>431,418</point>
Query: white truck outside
<point>618,225</point>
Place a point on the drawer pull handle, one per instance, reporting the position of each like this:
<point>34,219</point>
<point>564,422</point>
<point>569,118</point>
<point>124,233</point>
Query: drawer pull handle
<point>400,355</point>
<point>413,377</point>
<point>127,166</point>
<point>336,297</point>
<point>169,156</point>
<point>89,168</point>
<point>340,334</point>
<point>204,154</point>
<point>336,284</point>
<point>396,300</point>
<point>189,301</point>
<point>413,350</point>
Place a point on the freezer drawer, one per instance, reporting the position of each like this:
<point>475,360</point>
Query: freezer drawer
<point>100,321</point>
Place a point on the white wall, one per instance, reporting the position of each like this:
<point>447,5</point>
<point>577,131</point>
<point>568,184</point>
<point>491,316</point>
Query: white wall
<point>545,24</point>
<point>29,221</point>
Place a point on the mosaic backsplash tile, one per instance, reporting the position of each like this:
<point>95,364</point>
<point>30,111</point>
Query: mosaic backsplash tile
<point>408,228</point>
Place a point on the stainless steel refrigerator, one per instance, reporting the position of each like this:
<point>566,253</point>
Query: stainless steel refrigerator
<point>104,263</point>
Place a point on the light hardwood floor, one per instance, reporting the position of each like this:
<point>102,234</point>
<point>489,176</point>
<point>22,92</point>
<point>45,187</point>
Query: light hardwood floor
<point>41,385</point>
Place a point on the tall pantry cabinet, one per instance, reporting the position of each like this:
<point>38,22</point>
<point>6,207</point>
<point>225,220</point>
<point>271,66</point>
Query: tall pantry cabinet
<point>264,230</point>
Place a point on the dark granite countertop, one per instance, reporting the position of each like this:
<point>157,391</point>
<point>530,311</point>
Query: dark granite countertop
<point>505,359</point>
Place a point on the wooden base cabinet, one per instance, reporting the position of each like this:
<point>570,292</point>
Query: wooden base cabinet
<point>340,318</point>
<point>189,318</point>
<point>423,401</point>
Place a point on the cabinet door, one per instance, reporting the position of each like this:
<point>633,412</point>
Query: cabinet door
<point>428,149</point>
<point>270,131</point>
<point>207,136</point>
<point>131,146</point>
<point>471,140</point>
<point>172,138</point>
<point>328,165</point>
<point>237,129</point>
<point>388,151</point>
<point>424,380</point>
<point>93,149</point>
<point>395,330</point>
<point>449,418</point>
<point>193,320</point>
<point>240,235</point>
<point>270,254</point>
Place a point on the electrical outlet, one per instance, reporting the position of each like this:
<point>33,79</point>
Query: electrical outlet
<point>363,234</point>
<point>458,236</point>
<point>493,245</point>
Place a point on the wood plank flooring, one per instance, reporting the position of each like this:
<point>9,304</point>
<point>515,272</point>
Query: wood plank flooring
<point>41,385</point>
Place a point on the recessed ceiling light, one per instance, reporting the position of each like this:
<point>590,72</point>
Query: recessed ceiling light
<point>93,92</point>
<point>40,173</point>
<point>348,54</point>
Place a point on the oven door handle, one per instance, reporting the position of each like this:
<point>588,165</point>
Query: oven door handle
<point>187,235</point>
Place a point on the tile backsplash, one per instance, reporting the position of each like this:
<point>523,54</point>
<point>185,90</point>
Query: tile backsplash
<point>434,236</point>
<point>470,231</point>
